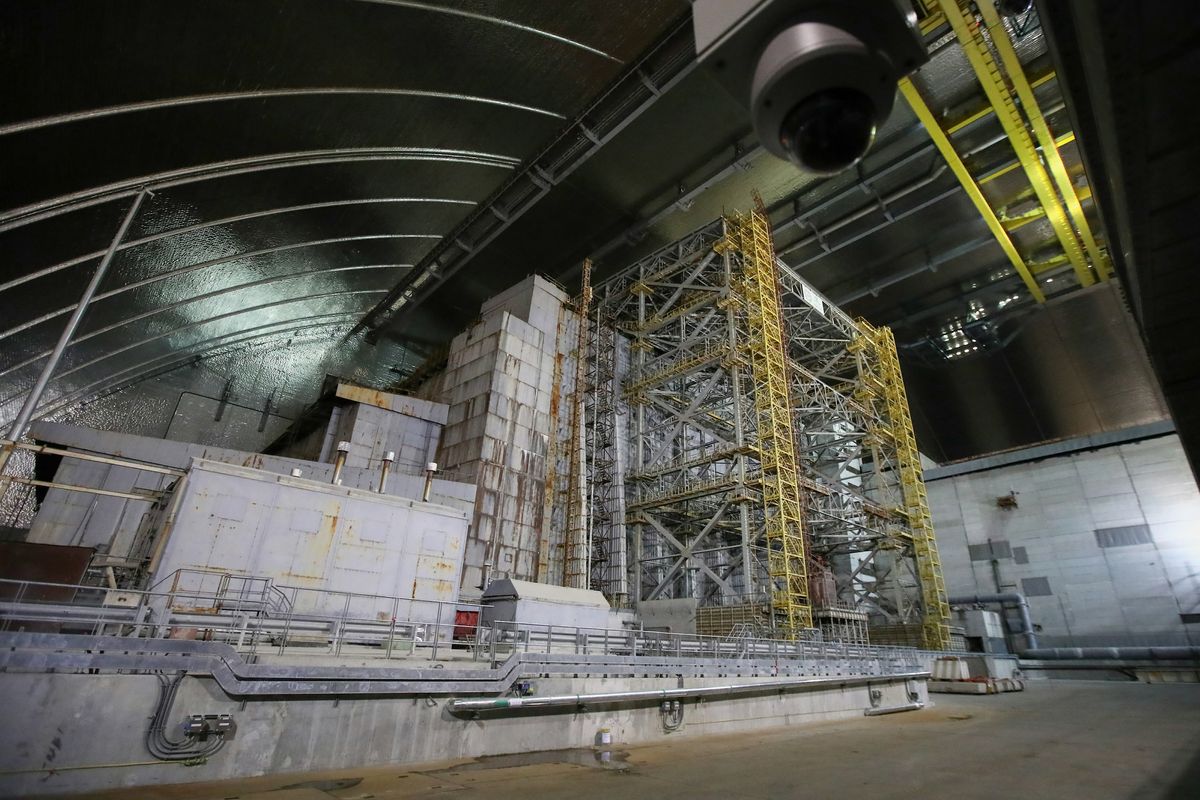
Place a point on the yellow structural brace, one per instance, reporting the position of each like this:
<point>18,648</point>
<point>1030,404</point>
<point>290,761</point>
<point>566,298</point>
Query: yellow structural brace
<point>1024,89</point>
<point>935,619</point>
<point>970,37</point>
<point>942,142</point>
<point>767,348</point>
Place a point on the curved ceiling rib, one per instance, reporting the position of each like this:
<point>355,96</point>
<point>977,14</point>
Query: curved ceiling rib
<point>54,206</point>
<point>50,270</point>
<point>207,321</point>
<point>250,143</point>
<point>259,94</point>
<point>667,63</point>
<point>205,264</point>
<point>200,298</point>
<point>143,369</point>
<point>507,23</point>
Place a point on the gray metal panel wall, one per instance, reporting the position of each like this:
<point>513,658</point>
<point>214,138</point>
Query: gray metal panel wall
<point>1099,595</point>
<point>67,517</point>
<point>317,536</point>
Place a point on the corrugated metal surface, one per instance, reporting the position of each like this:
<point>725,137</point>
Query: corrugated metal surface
<point>302,156</point>
<point>1131,69</point>
<point>307,154</point>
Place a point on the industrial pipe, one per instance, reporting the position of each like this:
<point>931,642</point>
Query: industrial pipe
<point>50,450</point>
<point>879,712</point>
<point>157,742</point>
<point>880,205</point>
<point>339,462</point>
<point>1012,598</point>
<point>430,468</point>
<point>1168,653</point>
<point>388,458</point>
<point>610,698</point>
<point>39,386</point>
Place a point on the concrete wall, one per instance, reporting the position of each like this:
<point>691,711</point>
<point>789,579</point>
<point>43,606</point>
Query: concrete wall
<point>376,422</point>
<point>67,721</point>
<point>1142,498</point>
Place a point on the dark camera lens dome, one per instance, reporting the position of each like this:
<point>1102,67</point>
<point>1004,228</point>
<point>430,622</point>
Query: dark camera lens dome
<point>830,130</point>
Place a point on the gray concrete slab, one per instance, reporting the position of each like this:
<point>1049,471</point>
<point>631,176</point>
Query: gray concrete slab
<point>1055,740</point>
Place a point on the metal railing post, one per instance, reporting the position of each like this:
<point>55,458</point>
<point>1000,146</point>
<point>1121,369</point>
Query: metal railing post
<point>341,627</point>
<point>392,627</point>
<point>437,634</point>
<point>478,633</point>
<point>138,612</point>
<point>287,623</point>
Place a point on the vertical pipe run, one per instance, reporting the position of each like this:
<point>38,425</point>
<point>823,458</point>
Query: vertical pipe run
<point>430,469</point>
<point>339,462</point>
<point>388,458</point>
<point>39,386</point>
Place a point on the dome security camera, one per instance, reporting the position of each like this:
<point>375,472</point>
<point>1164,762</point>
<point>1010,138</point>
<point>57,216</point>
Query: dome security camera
<point>818,76</point>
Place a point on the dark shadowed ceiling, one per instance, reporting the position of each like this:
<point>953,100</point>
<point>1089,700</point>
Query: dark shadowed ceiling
<point>367,172</point>
<point>302,157</point>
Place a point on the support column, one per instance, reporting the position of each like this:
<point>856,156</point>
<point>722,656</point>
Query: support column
<point>21,423</point>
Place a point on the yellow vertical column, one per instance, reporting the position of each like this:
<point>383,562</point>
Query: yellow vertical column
<point>767,347</point>
<point>935,621</point>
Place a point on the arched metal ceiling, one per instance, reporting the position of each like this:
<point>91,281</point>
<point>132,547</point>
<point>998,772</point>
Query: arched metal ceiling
<point>302,156</point>
<point>312,162</point>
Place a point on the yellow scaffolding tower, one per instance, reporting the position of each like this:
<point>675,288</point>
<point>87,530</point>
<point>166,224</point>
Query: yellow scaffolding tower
<point>767,348</point>
<point>935,618</point>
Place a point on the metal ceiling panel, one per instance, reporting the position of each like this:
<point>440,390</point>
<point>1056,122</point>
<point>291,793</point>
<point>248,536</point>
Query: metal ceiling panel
<point>302,157</point>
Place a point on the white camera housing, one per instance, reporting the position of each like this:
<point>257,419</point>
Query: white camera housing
<point>818,76</point>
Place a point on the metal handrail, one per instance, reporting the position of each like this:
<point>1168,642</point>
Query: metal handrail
<point>150,614</point>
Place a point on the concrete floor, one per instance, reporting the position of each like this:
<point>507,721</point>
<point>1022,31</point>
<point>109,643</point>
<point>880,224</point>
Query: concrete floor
<point>1056,740</point>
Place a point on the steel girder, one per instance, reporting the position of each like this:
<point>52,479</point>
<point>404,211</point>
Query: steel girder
<point>688,440</point>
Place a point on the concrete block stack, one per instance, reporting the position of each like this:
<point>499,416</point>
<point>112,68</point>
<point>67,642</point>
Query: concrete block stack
<point>499,384</point>
<point>376,423</point>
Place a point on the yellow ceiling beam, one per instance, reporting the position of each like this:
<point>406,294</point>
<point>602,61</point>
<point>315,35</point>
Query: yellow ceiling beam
<point>942,141</point>
<point>1011,223</point>
<point>1066,138</point>
<point>1015,221</point>
<point>966,29</point>
<point>1038,267</point>
<point>1016,74</point>
<point>986,110</point>
<point>931,23</point>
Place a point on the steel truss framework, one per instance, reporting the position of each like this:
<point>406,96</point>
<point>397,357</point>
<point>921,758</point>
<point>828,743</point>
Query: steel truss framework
<point>759,436</point>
